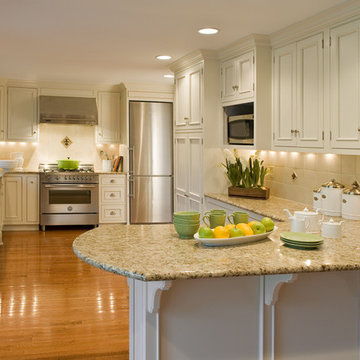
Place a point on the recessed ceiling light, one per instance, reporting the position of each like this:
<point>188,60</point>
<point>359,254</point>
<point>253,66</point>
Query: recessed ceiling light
<point>163,57</point>
<point>208,31</point>
<point>170,76</point>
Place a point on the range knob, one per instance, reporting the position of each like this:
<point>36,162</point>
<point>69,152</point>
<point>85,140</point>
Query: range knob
<point>57,178</point>
<point>65,177</point>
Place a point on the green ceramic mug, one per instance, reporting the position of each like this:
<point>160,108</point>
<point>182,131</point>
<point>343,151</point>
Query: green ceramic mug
<point>214,220</point>
<point>238,217</point>
<point>216,212</point>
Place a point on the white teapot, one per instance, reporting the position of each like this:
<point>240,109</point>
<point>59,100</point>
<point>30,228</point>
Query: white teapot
<point>310,219</point>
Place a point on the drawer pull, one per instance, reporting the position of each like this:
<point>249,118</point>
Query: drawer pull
<point>323,196</point>
<point>316,198</point>
<point>112,181</point>
<point>344,201</point>
<point>112,213</point>
<point>112,195</point>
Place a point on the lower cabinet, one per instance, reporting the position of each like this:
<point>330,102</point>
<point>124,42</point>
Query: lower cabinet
<point>188,171</point>
<point>21,200</point>
<point>112,199</point>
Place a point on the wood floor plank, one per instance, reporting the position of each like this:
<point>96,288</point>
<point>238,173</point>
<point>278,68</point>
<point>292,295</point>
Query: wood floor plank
<point>54,306</point>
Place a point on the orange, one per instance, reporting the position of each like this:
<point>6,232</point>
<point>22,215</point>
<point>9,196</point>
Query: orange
<point>253,222</point>
<point>246,228</point>
<point>229,226</point>
<point>221,232</point>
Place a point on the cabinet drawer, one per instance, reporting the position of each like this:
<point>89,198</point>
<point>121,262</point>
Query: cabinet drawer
<point>112,214</point>
<point>112,179</point>
<point>113,194</point>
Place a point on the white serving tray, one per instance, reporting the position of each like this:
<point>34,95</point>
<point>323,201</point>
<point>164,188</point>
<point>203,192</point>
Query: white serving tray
<point>234,240</point>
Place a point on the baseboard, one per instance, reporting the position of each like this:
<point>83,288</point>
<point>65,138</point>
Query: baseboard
<point>21,227</point>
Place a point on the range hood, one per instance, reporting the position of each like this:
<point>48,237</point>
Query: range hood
<point>68,110</point>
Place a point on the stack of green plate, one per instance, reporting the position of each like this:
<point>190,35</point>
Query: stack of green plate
<point>300,240</point>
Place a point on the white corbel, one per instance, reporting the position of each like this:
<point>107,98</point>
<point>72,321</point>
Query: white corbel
<point>154,291</point>
<point>273,284</point>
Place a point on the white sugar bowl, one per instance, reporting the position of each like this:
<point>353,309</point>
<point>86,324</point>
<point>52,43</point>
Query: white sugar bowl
<point>331,229</point>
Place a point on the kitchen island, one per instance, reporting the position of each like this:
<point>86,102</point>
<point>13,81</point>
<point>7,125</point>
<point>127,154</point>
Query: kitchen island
<point>188,301</point>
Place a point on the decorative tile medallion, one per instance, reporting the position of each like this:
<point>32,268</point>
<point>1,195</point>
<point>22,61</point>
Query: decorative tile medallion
<point>66,142</point>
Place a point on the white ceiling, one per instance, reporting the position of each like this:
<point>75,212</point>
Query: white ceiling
<point>117,40</point>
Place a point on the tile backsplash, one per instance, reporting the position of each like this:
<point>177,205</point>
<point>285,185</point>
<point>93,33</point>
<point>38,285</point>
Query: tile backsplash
<point>49,148</point>
<point>312,171</point>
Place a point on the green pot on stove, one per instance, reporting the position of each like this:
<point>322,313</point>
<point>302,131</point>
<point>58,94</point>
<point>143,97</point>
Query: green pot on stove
<point>68,164</point>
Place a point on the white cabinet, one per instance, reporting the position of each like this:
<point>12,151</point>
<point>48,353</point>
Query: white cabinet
<point>237,78</point>
<point>108,129</point>
<point>112,199</point>
<point>2,113</point>
<point>188,171</point>
<point>344,86</point>
<point>21,200</point>
<point>188,98</point>
<point>22,114</point>
<point>298,94</point>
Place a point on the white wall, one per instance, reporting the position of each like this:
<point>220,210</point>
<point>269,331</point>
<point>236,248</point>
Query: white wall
<point>49,148</point>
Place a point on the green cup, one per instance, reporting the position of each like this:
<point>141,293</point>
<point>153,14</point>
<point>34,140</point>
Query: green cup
<point>238,217</point>
<point>216,212</point>
<point>214,220</point>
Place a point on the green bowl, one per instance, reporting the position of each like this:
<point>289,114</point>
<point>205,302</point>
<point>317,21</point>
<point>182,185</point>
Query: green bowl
<point>186,221</point>
<point>194,215</point>
<point>186,231</point>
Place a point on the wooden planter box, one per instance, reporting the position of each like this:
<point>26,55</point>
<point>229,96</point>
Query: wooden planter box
<point>260,193</point>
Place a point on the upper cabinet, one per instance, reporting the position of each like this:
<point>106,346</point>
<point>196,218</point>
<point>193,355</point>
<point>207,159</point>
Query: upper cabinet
<point>245,77</point>
<point>298,94</point>
<point>344,86</point>
<point>237,78</point>
<point>22,114</point>
<point>188,98</point>
<point>108,129</point>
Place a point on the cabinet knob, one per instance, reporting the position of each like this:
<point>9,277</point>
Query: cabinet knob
<point>358,130</point>
<point>112,181</point>
<point>2,131</point>
<point>323,196</point>
<point>344,201</point>
<point>31,182</point>
<point>112,195</point>
<point>34,132</point>
<point>99,134</point>
<point>112,213</point>
<point>186,118</point>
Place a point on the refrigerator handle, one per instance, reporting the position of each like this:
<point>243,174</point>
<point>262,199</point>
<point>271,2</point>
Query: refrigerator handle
<point>131,187</point>
<point>131,160</point>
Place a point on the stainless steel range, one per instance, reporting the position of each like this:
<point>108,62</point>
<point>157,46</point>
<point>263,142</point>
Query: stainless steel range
<point>68,197</point>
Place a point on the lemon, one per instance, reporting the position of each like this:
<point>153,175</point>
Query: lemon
<point>246,228</point>
<point>221,232</point>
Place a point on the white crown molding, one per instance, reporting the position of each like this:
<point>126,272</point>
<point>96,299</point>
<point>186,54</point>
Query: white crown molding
<point>159,88</point>
<point>245,44</point>
<point>347,11</point>
<point>192,59</point>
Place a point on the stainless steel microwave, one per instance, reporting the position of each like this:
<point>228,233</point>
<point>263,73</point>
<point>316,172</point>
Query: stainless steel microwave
<point>240,129</point>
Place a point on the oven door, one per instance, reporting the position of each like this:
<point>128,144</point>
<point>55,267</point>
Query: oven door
<point>69,198</point>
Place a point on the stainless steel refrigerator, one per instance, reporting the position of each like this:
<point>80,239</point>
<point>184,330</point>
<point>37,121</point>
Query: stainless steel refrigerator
<point>150,162</point>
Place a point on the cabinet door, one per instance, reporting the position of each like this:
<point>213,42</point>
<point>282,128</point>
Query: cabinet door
<point>108,130</point>
<point>195,147</point>
<point>310,103</point>
<point>228,80</point>
<point>22,120</point>
<point>181,172</point>
<point>245,76</point>
<point>344,86</point>
<point>182,98</point>
<point>12,200</point>
<point>284,96</point>
<point>31,199</point>
<point>2,113</point>
<point>195,95</point>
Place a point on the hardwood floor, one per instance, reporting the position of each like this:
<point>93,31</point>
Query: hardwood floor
<point>55,306</point>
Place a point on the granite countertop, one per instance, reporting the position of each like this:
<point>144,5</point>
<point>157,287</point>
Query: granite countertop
<point>273,207</point>
<point>23,171</point>
<point>154,252</point>
<point>100,172</point>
